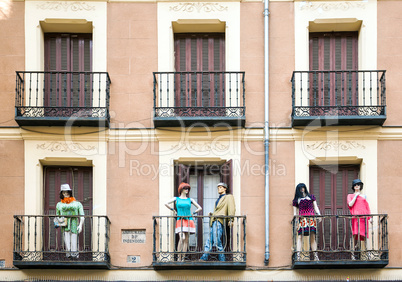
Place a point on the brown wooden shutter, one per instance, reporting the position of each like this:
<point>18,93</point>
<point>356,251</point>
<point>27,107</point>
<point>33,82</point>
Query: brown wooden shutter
<point>182,174</point>
<point>202,53</point>
<point>330,185</point>
<point>332,51</point>
<point>80,181</point>
<point>68,53</point>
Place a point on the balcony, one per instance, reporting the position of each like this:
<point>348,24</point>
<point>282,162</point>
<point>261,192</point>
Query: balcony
<point>338,247</point>
<point>62,98</point>
<point>199,99</point>
<point>338,98</point>
<point>38,244</point>
<point>167,256</point>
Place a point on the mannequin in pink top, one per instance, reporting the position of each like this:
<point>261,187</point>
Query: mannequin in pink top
<point>358,205</point>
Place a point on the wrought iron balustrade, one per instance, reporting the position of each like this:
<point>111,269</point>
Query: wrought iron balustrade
<point>165,243</point>
<point>343,97</point>
<point>342,240</point>
<point>38,243</point>
<point>199,96</point>
<point>54,97</point>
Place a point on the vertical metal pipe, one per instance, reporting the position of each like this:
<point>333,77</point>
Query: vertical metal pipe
<point>266,125</point>
<point>154,89</point>
<point>154,240</point>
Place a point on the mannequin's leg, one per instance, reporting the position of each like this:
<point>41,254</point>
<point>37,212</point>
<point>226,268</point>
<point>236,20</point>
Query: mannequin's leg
<point>185,243</point>
<point>67,243</point>
<point>313,243</point>
<point>298,246</point>
<point>180,245</point>
<point>74,245</point>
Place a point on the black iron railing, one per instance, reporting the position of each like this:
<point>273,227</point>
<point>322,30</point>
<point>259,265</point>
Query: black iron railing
<point>342,238</point>
<point>199,94</point>
<point>37,240</point>
<point>338,93</point>
<point>54,94</point>
<point>165,241</point>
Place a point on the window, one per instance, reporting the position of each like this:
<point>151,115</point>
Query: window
<point>67,56</point>
<point>80,181</point>
<point>335,52</point>
<point>201,56</point>
<point>331,185</point>
<point>203,180</point>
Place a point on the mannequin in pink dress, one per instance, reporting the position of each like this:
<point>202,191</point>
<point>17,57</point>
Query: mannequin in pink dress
<point>358,205</point>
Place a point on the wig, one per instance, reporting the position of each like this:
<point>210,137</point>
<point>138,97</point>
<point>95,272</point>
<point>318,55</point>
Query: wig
<point>69,191</point>
<point>355,182</point>
<point>182,186</point>
<point>299,194</point>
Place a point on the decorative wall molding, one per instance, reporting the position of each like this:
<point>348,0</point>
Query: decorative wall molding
<point>326,6</point>
<point>198,7</point>
<point>335,145</point>
<point>201,146</point>
<point>64,147</point>
<point>66,5</point>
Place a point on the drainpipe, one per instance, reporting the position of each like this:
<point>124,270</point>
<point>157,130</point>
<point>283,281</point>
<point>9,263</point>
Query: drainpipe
<point>266,126</point>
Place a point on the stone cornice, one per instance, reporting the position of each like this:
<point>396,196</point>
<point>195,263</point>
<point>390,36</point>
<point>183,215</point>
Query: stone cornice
<point>10,133</point>
<point>174,134</point>
<point>341,132</point>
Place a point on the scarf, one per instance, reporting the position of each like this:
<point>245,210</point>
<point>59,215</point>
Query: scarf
<point>68,200</point>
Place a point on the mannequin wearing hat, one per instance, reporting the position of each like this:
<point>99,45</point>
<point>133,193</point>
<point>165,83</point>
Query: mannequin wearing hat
<point>185,223</point>
<point>69,206</point>
<point>224,206</point>
<point>357,203</point>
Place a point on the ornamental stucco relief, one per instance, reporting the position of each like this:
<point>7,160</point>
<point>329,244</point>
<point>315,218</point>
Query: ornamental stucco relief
<point>327,6</point>
<point>201,146</point>
<point>65,6</point>
<point>198,7</point>
<point>335,145</point>
<point>64,147</point>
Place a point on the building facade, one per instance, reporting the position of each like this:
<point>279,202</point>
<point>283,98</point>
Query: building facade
<point>124,100</point>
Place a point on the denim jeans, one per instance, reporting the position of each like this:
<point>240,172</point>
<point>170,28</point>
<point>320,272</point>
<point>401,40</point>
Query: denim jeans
<point>215,239</point>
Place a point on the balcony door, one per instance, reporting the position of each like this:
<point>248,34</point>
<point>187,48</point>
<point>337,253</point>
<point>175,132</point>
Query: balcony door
<point>336,52</point>
<point>80,181</point>
<point>331,185</point>
<point>203,180</point>
<point>67,56</point>
<point>199,57</point>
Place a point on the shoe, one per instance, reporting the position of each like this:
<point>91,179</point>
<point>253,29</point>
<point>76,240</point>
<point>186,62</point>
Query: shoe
<point>204,257</point>
<point>316,257</point>
<point>297,256</point>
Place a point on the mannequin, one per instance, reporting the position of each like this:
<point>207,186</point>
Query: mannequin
<point>224,206</point>
<point>357,203</point>
<point>305,204</point>
<point>185,223</point>
<point>69,206</point>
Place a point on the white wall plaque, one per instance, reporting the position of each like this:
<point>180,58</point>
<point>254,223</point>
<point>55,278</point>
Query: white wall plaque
<point>133,236</point>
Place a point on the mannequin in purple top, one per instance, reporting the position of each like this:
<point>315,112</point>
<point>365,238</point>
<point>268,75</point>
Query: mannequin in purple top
<point>304,204</point>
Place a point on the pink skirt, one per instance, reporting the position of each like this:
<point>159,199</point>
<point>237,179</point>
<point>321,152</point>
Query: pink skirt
<point>185,225</point>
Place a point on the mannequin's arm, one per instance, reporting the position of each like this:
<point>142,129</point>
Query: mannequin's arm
<point>82,219</point>
<point>199,208</point>
<point>352,202</point>
<point>167,204</point>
